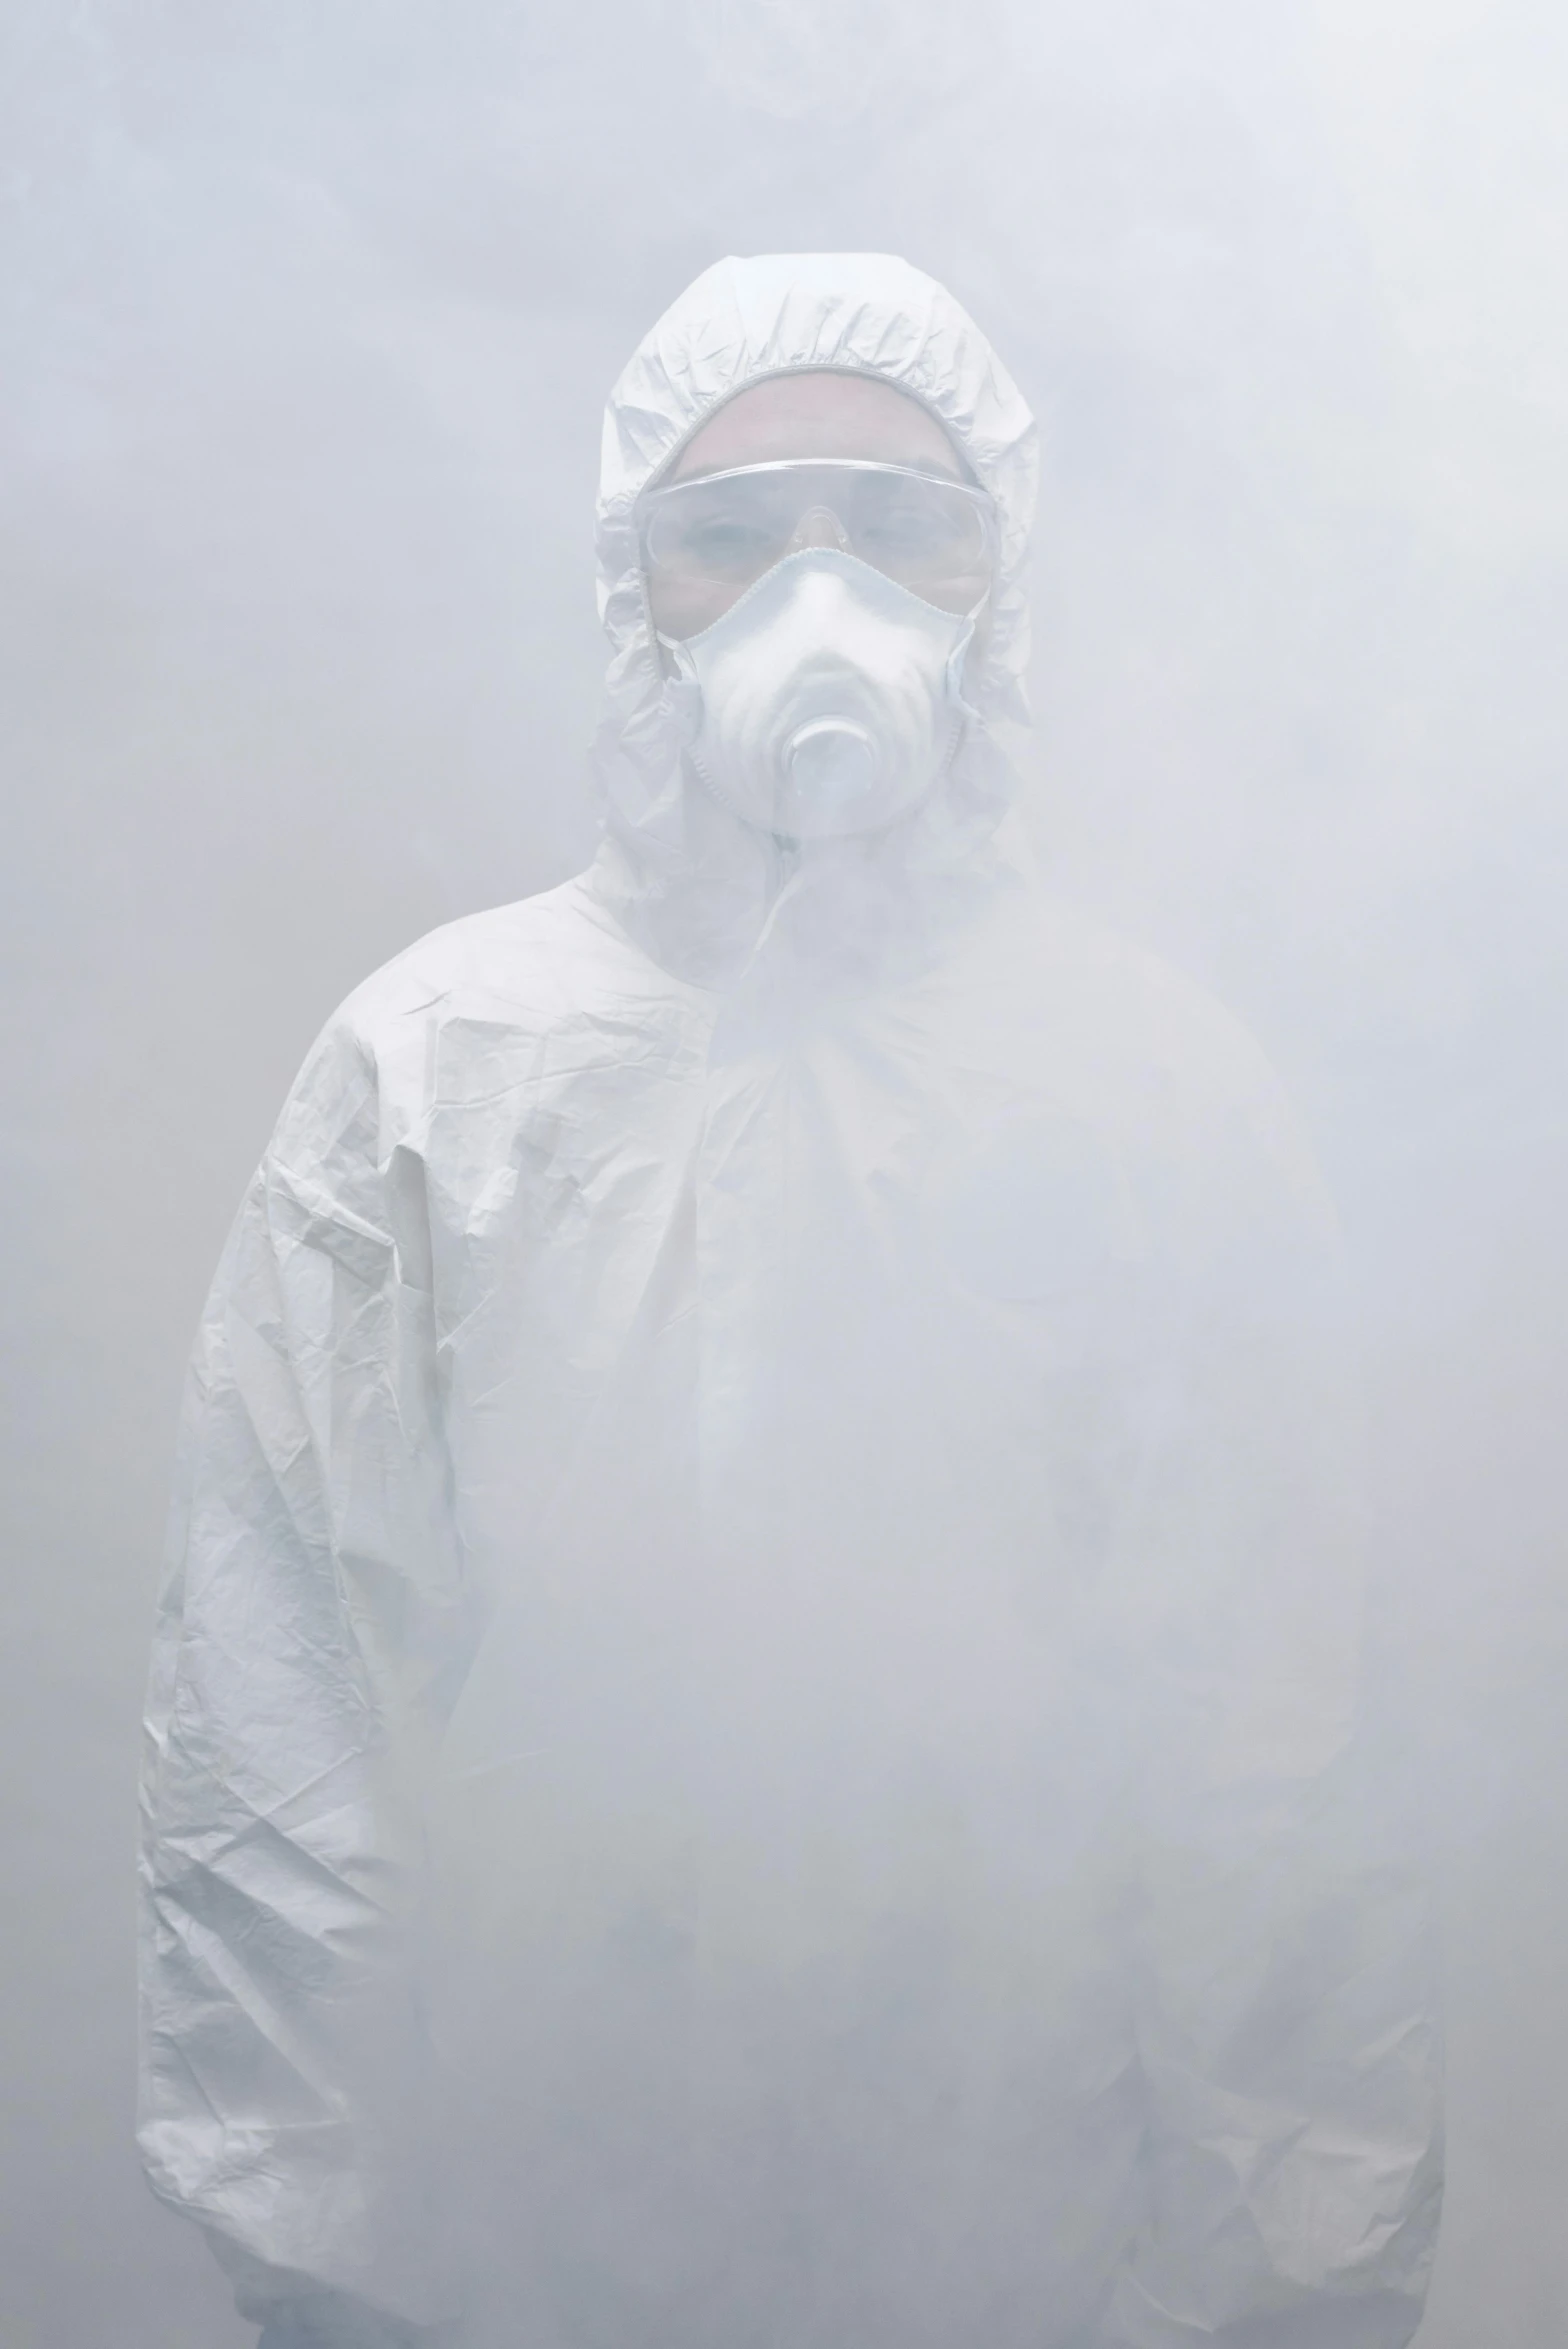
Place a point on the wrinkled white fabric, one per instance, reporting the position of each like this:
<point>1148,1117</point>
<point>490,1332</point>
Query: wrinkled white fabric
<point>765,1540</point>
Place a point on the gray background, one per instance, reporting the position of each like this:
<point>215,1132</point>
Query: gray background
<point>308,311</point>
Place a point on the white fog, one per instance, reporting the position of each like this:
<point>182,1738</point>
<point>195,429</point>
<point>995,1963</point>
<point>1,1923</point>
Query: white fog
<point>310,312</point>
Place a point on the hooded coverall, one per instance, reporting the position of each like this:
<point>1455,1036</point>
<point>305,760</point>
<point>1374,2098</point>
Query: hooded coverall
<point>754,1728</point>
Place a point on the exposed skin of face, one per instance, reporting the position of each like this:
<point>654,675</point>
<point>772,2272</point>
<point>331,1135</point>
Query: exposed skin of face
<point>819,413</point>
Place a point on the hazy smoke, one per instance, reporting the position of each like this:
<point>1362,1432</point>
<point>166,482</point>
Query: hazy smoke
<point>808,61</point>
<point>307,316</point>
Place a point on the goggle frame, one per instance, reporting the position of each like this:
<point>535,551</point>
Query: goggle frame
<point>652,499</point>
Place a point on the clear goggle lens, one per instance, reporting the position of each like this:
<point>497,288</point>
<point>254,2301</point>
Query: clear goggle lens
<point>725,530</point>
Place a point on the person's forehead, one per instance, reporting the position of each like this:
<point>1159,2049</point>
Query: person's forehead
<point>818,413</point>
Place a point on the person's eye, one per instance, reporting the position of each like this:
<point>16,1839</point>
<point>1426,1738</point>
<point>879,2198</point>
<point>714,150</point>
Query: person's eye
<point>724,542</point>
<point>911,533</point>
<point>902,531</point>
<point>907,533</point>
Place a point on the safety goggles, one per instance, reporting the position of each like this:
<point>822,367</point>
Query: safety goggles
<point>705,541</point>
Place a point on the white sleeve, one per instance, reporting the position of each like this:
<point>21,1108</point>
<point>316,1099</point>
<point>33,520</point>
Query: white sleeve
<point>1288,2042</point>
<point>1287,2003</point>
<point>312,1635</point>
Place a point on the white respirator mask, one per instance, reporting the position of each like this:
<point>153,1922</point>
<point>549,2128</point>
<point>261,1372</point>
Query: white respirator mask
<point>831,697</point>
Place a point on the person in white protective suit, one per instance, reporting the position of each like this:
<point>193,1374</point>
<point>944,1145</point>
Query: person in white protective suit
<point>754,1736</point>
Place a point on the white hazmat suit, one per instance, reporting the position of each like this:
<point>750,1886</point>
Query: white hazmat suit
<point>754,1729</point>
